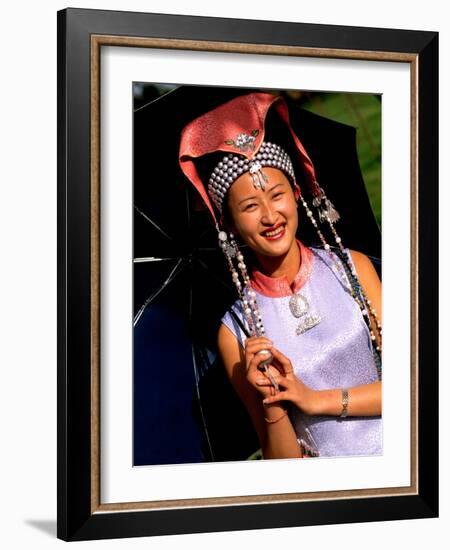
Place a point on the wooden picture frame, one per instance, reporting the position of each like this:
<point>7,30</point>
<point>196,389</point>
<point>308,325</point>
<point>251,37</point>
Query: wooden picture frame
<point>81,36</point>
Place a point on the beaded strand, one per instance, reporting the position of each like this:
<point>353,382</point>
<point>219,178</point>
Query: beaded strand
<point>365,304</point>
<point>247,295</point>
<point>366,300</point>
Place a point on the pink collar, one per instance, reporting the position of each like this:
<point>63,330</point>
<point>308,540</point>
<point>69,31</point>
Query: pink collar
<point>275,287</point>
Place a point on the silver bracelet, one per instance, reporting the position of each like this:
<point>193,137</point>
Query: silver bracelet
<point>344,403</point>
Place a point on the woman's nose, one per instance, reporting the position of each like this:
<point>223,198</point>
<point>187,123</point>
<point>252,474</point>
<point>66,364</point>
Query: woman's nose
<point>269,214</point>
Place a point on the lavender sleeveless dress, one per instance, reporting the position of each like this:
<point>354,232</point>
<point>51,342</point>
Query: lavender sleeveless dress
<point>335,353</point>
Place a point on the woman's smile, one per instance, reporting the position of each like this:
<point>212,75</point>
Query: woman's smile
<point>276,233</point>
<point>265,219</point>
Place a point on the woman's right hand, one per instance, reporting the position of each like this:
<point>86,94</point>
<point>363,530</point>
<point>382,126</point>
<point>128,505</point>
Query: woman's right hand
<point>253,360</point>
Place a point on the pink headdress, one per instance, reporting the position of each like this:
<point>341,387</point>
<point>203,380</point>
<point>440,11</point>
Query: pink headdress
<point>238,127</point>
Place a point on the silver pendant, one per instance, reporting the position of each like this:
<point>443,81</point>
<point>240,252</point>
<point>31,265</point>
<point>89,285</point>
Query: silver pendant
<point>308,322</point>
<point>299,306</point>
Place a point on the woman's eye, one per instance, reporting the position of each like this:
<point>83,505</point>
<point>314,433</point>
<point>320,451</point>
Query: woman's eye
<point>277,195</point>
<point>249,206</point>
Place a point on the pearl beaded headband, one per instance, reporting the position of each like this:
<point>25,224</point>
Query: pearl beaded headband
<point>234,165</point>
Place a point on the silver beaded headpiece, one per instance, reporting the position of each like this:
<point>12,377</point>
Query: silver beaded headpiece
<point>234,165</point>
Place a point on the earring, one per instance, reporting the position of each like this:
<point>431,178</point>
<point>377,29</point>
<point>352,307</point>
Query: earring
<point>325,207</point>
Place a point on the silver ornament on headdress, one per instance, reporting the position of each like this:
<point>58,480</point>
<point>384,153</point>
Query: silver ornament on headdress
<point>325,208</point>
<point>234,165</point>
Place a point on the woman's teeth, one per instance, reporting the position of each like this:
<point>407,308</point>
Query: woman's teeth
<point>275,232</point>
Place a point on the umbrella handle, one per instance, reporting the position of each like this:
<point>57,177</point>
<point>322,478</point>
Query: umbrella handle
<point>265,365</point>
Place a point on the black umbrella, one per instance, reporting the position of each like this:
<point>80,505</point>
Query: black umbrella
<point>185,410</point>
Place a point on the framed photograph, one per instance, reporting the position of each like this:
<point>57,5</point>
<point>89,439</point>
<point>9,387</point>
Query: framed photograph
<point>154,435</point>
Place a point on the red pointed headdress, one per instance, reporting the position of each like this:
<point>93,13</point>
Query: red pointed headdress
<point>237,126</point>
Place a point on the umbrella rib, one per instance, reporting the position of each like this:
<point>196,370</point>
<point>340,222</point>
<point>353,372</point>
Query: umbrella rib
<point>150,259</point>
<point>153,223</point>
<point>156,99</point>
<point>150,299</point>
<point>204,233</point>
<point>202,414</point>
<point>212,273</point>
<point>196,376</point>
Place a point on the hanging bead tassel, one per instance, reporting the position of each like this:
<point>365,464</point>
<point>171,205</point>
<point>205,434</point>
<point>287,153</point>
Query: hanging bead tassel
<point>246,294</point>
<point>350,278</point>
<point>325,208</point>
<point>365,309</point>
<point>326,246</point>
<point>368,308</point>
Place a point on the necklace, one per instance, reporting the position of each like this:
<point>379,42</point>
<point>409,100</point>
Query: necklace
<point>279,287</point>
<point>299,306</point>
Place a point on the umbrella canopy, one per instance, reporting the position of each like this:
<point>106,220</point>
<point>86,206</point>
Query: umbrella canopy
<point>185,410</point>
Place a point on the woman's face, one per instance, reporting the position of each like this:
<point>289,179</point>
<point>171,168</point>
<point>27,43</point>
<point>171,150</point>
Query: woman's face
<point>266,220</point>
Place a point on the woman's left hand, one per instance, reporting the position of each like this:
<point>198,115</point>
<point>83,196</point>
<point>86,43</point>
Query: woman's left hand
<point>305,398</point>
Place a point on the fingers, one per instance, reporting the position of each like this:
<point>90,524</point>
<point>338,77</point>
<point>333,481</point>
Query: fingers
<point>251,339</point>
<point>257,350</point>
<point>282,381</point>
<point>281,396</point>
<point>254,345</point>
<point>255,361</point>
<point>283,360</point>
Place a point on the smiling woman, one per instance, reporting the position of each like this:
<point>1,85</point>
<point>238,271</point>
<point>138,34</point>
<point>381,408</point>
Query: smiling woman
<point>302,343</point>
<point>265,219</point>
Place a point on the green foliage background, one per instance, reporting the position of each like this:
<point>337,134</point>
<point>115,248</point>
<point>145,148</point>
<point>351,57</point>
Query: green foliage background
<point>363,111</point>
